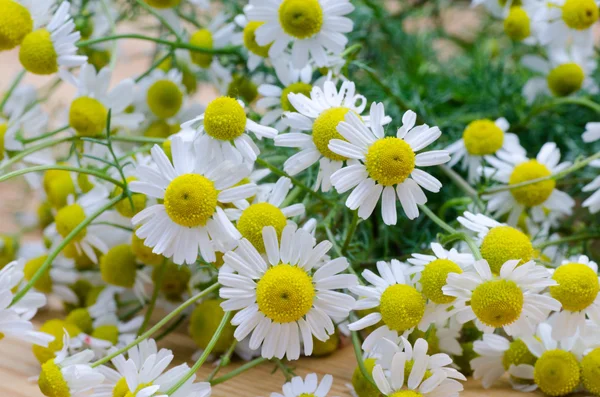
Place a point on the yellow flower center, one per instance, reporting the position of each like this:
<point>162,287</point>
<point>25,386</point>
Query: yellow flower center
<point>164,98</point>
<point>15,24</point>
<point>243,88</point>
<point>8,248</point>
<point>579,14</point>
<point>139,388</point>
<point>250,40</point>
<point>295,88</point>
<point>362,386</point>
<point>51,381</point>
<point>285,293</point>
<point>190,200</point>
<point>557,372</point>
<point>163,3</point>
<point>88,116</point>
<point>534,193</point>
<point>202,38</point>
<point>517,24</point>
<point>44,283</point>
<point>255,218</point>
<point>166,147</point>
<point>517,354</point>
<point>433,278</point>
<point>174,281</point>
<point>497,303</point>
<point>321,349</point>
<point>301,18</point>
<point>57,329</point>
<point>590,371</point>
<point>3,128</point>
<point>121,389</point>
<point>577,286</point>
<point>68,218</point>
<point>205,320</point>
<point>143,253</point>
<point>503,243</point>
<point>124,207</point>
<point>401,307</point>
<point>98,58</point>
<point>118,266</point>
<point>565,79</point>
<point>161,129</point>
<point>224,119</point>
<point>483,137</point>
<point>325,129</point>
<point>433,341</point>
<point>108,333</point>
<point>406,393</point>
<point>37,53</point>
<point>390,161</point>
<point>58,185</point>
<point>82,319</point>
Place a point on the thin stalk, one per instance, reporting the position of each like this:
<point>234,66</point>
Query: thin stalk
<point>172,327</point>
<point>225,360</point>
<point>153,66</point>
<point>113,30</point>
<point>34,149</point>
<point>400,103</point>
<point>46,135</point>
<point>238,370</point>
<point>160,18</point>
<point>142,139</point>
<point>351,232</point>
<point>437,220</point>
<point>569,239</point>
<point>39,168</point>
<point>157,284</point>
<point>359,358</point>
<point>12,88</point>
<point>464,185</point>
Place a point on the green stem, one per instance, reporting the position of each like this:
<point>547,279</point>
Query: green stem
<point>239,370</point>
<point>153,66</point>
<point>142,139</point>
<point>437,219</point>
<point>350,233</point>
<point>38,168</point>
<point>51,256</point>
<point>160,18</point>
<point>11,89</point>
<point>204,355</point>
<point>172,327</point>
<point>287,373</point>
<point>157,326</point>
<point>34,149</point>
<point>464,185</point>
<point>359,359</point>
<point>400,103</point>
<point>46,135</point>
<point>569,239</point>
<point>157,284</point>
<point>225,359</point>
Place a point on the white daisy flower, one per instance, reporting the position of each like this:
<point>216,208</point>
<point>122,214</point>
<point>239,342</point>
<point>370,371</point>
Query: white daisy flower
<point>520,23</point>
<point>314,27</point>
<point>58,279</point>
<point>510,300</point>
<point>224,129</point>
<point>282,301</point>
<point>256,53</point>
<point>25,15</point>
<point>513,169</point>
<point>309,386</point>
<point>592,134</point>
<point>108,328</point>
<point>387,165</point>
<point>481,138</point>
<point>218,34</point>
<point>448,338</point>
<point>29,121</point>
<point>119,267</point>
<point>89,110</point>
<point>160,95</point>
<point>562,22</point>
<point>46,50</point>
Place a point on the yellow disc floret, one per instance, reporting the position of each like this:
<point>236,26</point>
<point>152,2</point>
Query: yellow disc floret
<point>433,278</point>
<point>164,98</point>
<point>590,371</point>
<point>243,88</point>
<point>68,218</point>
<point>202,38</point>
<point>121,388</point>
<point>250,40</point>
<point>88,116</point>
<point>163,3</point>
<point>144,253</point>
<point>534,193</point>
<point>44,283</point>
<point>56,328</point>
<point>362,386</point>
<point>126,207</point>
<point>285,293</point>
<point>301,18</point>
<point>579,14</point>
<point>82,319</point>
<point>8,250</point>
<point>325,129</point>
<point>565,79</point>
<point>51,381</point>
<point>15,24</point>
<point>190,200</point>
<point>503,243</point>
<point>483,137</point>
<point>517,24</point>
<point>390,161</point>
<point>557,372</point>
<point>406,393</point>
<point>255,218</point>
<point>107,332</point>
<point>205,320</point>
<point>174,280</point>
<point>224,119</point>
<point>295,88</point>
<point>401,307</point>
<point>37,53</point>
<point>161,129</point>
<point>517,354</point>
<point>321,349</point>
<point>118,266</point>
<point>577,286</point>
<point>58,185</point>
<point>497,303</point>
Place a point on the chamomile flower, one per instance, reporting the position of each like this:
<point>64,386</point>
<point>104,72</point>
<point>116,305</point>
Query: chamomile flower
<point>314,27</point>
<point>567,21</point>
<point>256,53</point>
<point>29,122</point>
<point>592,134</point>
<point>218,34</point>
<point>18,18</point>
<point>252,217</point>
<point>510,300</point>
<point>387,166</point>
<point>160,94</point>
<point>119,267</point>
<point>283,301</point>
<point>48,49</point>
<point>88,113</point>
<point>190,216</point>
<point>108,328</point>
<point>224,129</point>
<point>538,197</point>
<point>481,138</point>
<point>309,386</point>
<point>320,113</point>
<point>56,279</point>
<point>519,22</point>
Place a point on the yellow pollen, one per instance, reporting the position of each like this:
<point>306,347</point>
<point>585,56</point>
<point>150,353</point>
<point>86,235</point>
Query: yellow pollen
<point>401,307</point>
<point>534,193</point>
<point>557,372</point>
<point>161,129</point>
<point>88,116</point>
<point>307,395</point>
<point>577,286</point>
<point>517,24</point>
<point>68,218</point>
<point>118,266</point>
<point>285,293</point>
<point>325,129</point>
<point>163,3</point>
<point>174,281</point>
<point>483,137</point>
<point>190,200</point>
<point>205,320</point>
<point>58,186</point>
<point>140,387</point>
<point>224,119</point>
<point>37,53</point>
<point>51,381</point>
<point>143,253</point>
<point>108,333</point>
<point>255,218</point>
<point>497,303</point>
<point>301,18</point>
<point>433,278</point>
<point>243,88</point>
<point>517,354</point>
<point>15,24</point>
<point>579,14</point>
<point>590,371</point>
<point>565,79</point>
<point>250,40</point>
<point>56,328</point>
<point>295,88</point>
<point>406,393</point>
<point>362,386</point>
<point>390,161</point>
<point>503,243</point>
<point>124,207</point>
<point>202,38</point>
<point>121,389</point>
<point>82,319</point>
<point>164,98</point>
<point>44,283</point>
